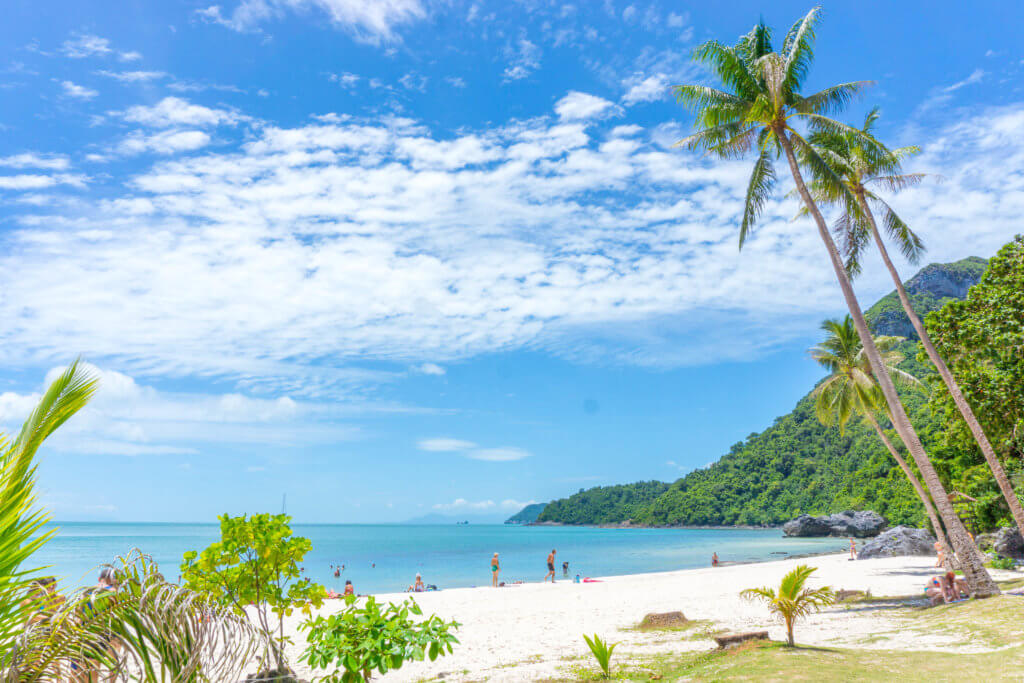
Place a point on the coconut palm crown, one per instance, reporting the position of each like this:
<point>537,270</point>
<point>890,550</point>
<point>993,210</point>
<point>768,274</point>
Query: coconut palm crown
<point>859,164</point>
<point>793,600</point>
<point>761,104</point>
<point>851,389</point>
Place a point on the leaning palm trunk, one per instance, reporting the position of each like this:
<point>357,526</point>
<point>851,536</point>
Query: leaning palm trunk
<point>980,583</point>
<point>933,517</point>
<point>947,377</point>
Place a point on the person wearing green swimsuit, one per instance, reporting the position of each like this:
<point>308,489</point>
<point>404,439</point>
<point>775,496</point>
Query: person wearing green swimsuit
<point>495,567</point>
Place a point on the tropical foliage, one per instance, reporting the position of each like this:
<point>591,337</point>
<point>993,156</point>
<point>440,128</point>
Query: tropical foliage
<point>604,504</point>
<point>368,637</point>
<point>792,600</point>
<point>161,632</point>
<point>981,339</point>
<point>602,651</point>
<point>256,562</point>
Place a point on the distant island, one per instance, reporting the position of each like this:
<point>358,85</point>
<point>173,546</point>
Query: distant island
<point>796,465</point>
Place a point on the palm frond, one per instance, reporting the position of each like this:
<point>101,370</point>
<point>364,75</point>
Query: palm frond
<point>900,182</point>
<point>832,100</point>
<point>762,181</point>
<point>910,245</point>
<point>798,50</point>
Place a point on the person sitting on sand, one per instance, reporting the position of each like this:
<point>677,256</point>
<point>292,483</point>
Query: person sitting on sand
<point>943,588</point>
<point>551,567</point>
<point>495,568</point>
<point>43,596</point>
<point>417,587</point>
<point>349,588</point>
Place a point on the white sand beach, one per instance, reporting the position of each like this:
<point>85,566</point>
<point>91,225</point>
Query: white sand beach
<point>533,631</point>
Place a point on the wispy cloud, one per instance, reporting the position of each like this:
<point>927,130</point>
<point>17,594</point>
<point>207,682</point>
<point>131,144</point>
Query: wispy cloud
<point>51,162</point>
<point>648,90</point>
<point>470,450</point>
<point>79,92</point>
<point>370,22</point>
<point>524,58</point>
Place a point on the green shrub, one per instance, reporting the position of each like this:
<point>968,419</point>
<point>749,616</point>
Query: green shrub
<point>365,638</point>
<point>1003,563</point>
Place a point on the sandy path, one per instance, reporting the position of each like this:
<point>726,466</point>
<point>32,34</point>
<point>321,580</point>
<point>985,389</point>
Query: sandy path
<point>534,630</point>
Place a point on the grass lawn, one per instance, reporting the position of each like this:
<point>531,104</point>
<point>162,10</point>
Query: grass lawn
<point>996,623</point>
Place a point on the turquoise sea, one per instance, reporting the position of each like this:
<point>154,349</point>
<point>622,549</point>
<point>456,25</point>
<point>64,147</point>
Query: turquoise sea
<point>386,557</point>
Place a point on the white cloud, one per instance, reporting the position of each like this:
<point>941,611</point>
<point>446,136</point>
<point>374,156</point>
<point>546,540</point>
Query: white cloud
<point>164,142</point>
<point>648,90</point>
<point>174,111</point>
<point>133,76</point>
<point>524,58</point>
<point>503,454</point>
<point>372,22</point>
<point>378,241</point>
<point>414,81</point>
<point>976,77</point>
<point>78,91</point>
<point>86,45</point>
<point>431,369</point>
<point>444,445</point>
<point>580,105</point>
<point>344,79</point>
<point>37,182</point>
<point>133,419</point>
<point>50,162</point>
<point>456,81</point>
<point>130,56</point>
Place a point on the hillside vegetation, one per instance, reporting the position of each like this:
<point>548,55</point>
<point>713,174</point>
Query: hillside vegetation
<point>797,465</point>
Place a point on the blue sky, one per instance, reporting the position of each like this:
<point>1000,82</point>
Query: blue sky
<point>406,257</point>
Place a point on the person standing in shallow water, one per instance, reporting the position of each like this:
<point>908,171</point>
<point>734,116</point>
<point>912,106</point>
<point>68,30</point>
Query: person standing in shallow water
<point>714,559</point>
<point>495,568</point>
<point>551,567</point>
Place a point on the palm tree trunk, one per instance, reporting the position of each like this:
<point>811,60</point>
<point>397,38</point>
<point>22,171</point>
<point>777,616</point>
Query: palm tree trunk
<point>933,517</point>
<point>947,377</point>
<point>978,580</point>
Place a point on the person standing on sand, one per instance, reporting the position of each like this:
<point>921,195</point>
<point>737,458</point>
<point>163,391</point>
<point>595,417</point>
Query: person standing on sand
<point>495,568</point>
<point>853,549</point>
<point>551,566</point>
<point>940,557</point>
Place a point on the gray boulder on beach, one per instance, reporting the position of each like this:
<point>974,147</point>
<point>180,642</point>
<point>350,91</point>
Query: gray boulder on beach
<point>859,524</point>
<point>901,540</point>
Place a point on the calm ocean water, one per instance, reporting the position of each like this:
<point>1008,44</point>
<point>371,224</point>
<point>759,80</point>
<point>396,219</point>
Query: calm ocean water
<point>448,556</point>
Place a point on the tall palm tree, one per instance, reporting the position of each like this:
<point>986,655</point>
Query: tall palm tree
<point>851,390</point>
<point>858,165</point>
<point>759,108</point>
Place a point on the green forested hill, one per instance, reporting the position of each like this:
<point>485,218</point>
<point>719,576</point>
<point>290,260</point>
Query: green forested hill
<point>797,465</point>
<point>604,504</point>
<point>528,515</point>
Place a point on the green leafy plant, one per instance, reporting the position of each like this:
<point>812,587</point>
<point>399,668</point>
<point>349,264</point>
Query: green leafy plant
<point>256,562</point>
<point>602,651</point>
<point>792,600</point>
<point>1003,563</point>
<point>368,637</point>
<point>160,632</point>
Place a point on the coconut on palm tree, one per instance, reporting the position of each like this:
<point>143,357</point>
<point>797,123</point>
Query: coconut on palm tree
<point>757,111</point>
<point>793,600</point>
<point>858,165</point>
<point>851,391</point>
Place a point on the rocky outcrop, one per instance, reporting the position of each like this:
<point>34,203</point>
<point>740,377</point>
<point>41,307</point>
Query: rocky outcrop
<point>859,524</point>
<point>902,540</point>
<point>656,620</point>
<point>1006,542</point>
<point>932,287</point>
